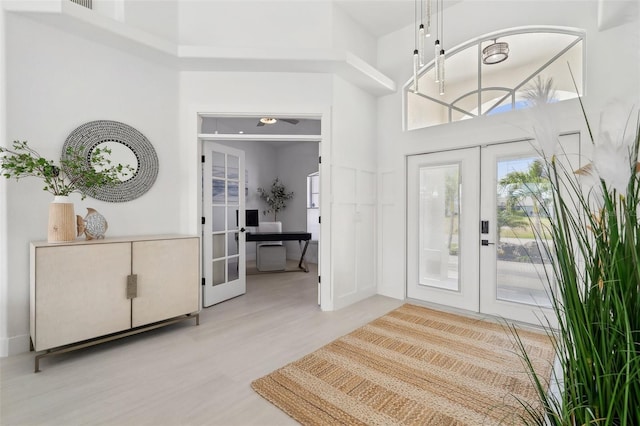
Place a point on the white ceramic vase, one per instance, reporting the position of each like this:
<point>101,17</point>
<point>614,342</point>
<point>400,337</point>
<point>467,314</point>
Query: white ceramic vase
<point>62,220</point>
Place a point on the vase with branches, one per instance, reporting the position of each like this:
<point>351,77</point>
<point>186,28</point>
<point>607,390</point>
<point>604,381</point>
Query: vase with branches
<point>73,173</point>
<point>275,197</point>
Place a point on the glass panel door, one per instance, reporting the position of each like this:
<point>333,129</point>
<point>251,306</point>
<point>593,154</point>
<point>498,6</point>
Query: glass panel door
<point>516,245</point>
<point>442,252</point>
<point>223,209</point>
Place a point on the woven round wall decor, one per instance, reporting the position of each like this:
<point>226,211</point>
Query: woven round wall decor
<point>89,135</point>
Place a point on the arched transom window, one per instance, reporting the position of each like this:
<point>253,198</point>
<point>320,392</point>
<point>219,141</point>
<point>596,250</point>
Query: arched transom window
<point>536,70</point>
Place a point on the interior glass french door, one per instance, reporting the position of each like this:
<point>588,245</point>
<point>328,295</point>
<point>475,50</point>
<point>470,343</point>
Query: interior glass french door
<point>477,231</point>
<point>223,204</point>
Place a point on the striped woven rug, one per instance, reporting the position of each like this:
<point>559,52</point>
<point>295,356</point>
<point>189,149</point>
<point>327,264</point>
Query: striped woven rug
<point>412,366</point>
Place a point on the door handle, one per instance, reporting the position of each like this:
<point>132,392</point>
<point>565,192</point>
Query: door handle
<point>487,243</point>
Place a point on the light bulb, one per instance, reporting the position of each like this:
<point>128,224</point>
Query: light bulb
<point>437,62</point>
<point>416,60</point>
<point>441,70</point>
<point>427,10</point>
<point>421,44</point>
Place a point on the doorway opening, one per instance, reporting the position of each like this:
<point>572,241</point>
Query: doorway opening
<point>266,155</point>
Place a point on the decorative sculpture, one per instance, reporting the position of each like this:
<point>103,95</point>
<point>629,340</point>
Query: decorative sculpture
<point>94,225</point>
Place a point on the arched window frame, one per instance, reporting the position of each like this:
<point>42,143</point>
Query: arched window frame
<point>509,92</point>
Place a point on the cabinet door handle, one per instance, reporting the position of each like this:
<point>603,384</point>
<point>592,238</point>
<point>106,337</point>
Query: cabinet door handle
<point>132,286</point>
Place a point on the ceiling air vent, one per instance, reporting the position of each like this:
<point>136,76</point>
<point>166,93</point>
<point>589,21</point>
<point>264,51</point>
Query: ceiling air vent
<point>85,3</point>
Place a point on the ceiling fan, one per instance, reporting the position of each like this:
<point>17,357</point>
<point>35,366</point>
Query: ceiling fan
<point>271,120</point>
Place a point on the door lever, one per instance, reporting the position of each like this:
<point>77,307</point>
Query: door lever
<point>486,243</point>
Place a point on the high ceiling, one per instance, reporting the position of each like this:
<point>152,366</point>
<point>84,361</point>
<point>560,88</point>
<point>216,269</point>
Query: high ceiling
<point>381,17</point>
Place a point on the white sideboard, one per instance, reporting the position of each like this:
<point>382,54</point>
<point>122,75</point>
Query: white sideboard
<point>85,290</point>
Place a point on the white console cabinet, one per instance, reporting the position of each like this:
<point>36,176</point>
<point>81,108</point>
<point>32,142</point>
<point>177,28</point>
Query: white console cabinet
<point>85,290</point>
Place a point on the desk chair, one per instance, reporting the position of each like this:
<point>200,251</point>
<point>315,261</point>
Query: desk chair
<point>272,255</point>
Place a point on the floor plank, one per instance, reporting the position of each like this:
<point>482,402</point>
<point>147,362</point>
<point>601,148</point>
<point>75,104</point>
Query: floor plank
<point>183,374</point>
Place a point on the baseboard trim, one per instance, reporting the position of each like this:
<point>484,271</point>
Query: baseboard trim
<point>14,345</point>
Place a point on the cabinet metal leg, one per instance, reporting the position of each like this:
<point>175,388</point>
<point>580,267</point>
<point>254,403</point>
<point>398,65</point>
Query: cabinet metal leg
<point>108,338</point>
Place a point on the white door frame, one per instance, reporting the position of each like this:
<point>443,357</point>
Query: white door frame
<point>194,116</point>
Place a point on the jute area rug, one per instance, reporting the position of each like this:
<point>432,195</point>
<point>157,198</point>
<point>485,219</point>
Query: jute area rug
<point>412,366</point>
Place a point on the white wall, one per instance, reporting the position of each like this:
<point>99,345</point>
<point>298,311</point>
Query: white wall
<point>158,17</point>
<point>353,192</point>
<point>255,24</point>
<point>612,74</point>
<point>4,246</point>
<point>295,163</point>
<point>350,36</point>
<point>55,82</point>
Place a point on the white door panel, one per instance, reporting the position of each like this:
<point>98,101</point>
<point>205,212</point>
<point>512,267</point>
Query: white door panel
<point>224,212</point>
<point>442,221</point>
<point>513,280</point>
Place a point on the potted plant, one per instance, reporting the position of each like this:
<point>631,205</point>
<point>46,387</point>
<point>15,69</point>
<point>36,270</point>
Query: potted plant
<point>275,198</point>
<point>74,173</point>
<point>595,229</point>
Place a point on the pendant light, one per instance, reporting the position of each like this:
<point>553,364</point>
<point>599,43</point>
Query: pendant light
<point>495,53</point>
<point>436,50</point>
<point>441,54</point>
<point>416,54</point>
<point>427,18</point>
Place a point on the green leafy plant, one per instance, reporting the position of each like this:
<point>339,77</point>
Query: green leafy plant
<point>275,197</point>
<point>73,174</point>
<point>596,250</point>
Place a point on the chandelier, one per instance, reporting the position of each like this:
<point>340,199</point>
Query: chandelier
<point>495,53</point>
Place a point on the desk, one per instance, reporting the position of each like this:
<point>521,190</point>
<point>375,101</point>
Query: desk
<point>262,237</point>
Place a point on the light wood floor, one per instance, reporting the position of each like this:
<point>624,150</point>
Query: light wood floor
<point>183,374</point>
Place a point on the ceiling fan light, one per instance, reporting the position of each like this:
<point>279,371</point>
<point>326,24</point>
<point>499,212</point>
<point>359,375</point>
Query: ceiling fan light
<point>495,53</point>
<point>268,120</point>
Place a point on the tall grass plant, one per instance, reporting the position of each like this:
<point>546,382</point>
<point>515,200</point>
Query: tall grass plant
<point>596,251</point>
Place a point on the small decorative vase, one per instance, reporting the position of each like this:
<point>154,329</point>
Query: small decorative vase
<point>62,224</point>
<point>93,226</point>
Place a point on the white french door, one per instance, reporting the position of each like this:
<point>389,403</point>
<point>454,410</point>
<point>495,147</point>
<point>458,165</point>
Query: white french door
<point>223,204</point>
<point>515,243</point>
<point>442,219</point>
<point>472,217</point>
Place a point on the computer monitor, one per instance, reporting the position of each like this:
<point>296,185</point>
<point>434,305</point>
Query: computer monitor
<point>251,217</point>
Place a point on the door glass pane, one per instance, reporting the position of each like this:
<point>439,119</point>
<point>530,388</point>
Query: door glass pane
<point>217,218</point>
<point>217,272</point>
<point>439,220</point>
<point>232,217</point>
<point>232,194</point>
<point>522,238</point>
<point>218,245</point>
<point>217,164</point>
<point>217,194</point>
<point>232,246</point>
<point>233,269</point>
<point>233,163</point>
